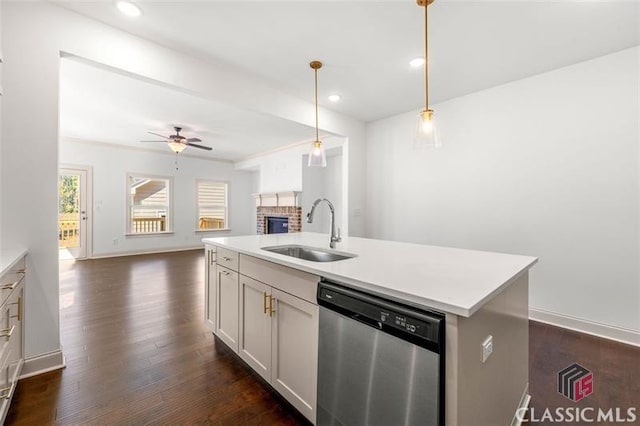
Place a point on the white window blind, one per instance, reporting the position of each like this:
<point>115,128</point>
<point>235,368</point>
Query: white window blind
<point>212,205</point>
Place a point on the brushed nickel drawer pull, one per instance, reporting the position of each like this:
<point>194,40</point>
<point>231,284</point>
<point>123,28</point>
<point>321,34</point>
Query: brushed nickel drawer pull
<point>226,259</point>
<point>7,332</point>
<point>13,285</point>
<point>225,272</point>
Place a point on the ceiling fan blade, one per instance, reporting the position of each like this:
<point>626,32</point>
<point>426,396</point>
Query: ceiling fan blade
<point>155,141</point>
<point>157,134</point>
<point>194,140</point>
<point>195,145</point>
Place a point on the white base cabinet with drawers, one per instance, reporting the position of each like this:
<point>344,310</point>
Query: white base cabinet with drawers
<point>268,315</point>
<point>210,286</point>
<point>12,284</point>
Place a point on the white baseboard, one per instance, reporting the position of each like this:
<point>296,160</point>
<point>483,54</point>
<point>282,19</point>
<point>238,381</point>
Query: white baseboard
<point>138,252</point>
<point>623,335</point>
<point>43,364</point>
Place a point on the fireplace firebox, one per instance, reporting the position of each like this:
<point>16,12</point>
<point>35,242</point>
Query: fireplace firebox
<point>277,225</point>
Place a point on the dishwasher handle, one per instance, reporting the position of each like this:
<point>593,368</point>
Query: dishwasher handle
<point>367,321</point>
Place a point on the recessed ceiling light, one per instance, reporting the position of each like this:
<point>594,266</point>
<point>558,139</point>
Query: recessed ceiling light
<point>417,62</point>
<point>128,8</point>
<point>335,97</point>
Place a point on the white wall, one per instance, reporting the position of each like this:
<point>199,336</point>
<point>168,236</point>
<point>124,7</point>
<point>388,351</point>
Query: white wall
<point>326,183</point>
<point>111,164</point>
<point>547,166</point>
<point>287,170</point>
<point>1,85</point>
<point>35,34</point>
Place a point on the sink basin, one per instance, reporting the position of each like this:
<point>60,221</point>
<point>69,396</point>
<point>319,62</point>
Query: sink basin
<point>313,254</point>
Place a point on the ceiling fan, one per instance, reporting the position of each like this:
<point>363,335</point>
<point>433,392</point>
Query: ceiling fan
<point>178,143</point>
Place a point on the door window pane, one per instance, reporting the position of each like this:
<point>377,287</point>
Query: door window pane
<point>68,211</point>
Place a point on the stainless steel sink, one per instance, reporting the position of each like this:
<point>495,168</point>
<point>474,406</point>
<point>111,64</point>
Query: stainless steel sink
<point>313,254</point>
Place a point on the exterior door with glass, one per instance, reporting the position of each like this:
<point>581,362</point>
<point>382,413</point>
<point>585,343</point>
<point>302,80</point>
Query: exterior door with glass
<point>72,213</point>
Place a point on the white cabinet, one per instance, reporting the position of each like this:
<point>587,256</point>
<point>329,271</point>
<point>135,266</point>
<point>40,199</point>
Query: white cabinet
<point>210,286</point>
<point>267,314</point>
<point>226,308</point>
<point>255,325</point>
<point>294,351</point>
<point>279,338</point>
<point>12,284</point>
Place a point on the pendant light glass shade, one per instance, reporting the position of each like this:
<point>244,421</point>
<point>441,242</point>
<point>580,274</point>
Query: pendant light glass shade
<point>177,147</point>
<point>317,156</point>
<point>426,134</point>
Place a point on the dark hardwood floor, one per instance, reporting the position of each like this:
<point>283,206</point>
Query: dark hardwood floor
<point>138,352</point>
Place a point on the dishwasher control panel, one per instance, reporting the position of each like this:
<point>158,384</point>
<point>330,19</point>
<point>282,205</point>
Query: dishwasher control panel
<point>386,315</point>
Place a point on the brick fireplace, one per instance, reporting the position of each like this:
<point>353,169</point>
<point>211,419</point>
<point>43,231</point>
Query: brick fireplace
<point>280,204</point>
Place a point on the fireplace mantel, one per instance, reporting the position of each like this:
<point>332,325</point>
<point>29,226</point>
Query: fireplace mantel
<point>278,199</point>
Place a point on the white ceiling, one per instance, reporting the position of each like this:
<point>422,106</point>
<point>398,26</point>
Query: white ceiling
<point>366,46</point>
<point>102,106</point>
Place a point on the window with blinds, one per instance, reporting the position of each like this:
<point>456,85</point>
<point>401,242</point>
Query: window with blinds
<point>212,204</point>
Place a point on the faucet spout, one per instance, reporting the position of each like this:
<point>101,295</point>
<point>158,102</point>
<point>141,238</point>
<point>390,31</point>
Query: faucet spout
<point>335,238</point>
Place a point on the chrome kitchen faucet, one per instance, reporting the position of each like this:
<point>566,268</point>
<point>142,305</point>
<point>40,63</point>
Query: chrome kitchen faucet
<point>334,238</point>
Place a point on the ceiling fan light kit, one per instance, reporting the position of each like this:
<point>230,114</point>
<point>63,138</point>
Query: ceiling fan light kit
<point>177,147</point>
<point>317,156</point>
<point>178,143</point>
<point>426,135</point>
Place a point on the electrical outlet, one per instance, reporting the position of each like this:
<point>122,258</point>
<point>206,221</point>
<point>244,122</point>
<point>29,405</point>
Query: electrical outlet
<point>487,348</point>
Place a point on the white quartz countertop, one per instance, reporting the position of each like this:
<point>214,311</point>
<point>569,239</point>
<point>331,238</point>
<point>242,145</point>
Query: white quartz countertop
<point>451,280</point>
<point>9,257</point>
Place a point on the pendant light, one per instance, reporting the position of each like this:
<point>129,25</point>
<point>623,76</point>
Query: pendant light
<point>426,135</point>
<point>317,156</point>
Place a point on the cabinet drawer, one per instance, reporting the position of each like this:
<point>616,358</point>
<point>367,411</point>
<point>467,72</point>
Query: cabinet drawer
<point>298,283</point>
<point>9,282</point>
<point>227,258</point>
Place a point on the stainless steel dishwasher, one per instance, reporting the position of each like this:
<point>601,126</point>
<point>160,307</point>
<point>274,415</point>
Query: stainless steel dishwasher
<point>379,362</point>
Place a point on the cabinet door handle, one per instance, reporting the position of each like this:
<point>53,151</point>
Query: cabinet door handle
<point>13,284</point>
<point>271,308</point>
<point>7,332</point>
<point>212,257</point>
<point>226,259</point>
<point>264,303</point>
<point>19,314</point>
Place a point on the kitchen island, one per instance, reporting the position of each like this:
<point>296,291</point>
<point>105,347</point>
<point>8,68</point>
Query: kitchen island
<point>481,294</point>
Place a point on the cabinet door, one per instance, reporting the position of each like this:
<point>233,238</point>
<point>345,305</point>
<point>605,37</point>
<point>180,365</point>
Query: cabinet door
<point>294,351</point>
<point>16,315</point>
<point>227,306</point>
<point>210,287</point>
<point>255,325</point>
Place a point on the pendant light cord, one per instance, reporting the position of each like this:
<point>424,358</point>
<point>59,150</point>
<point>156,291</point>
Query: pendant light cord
<point>316,85</point>
<point>426,56</point>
